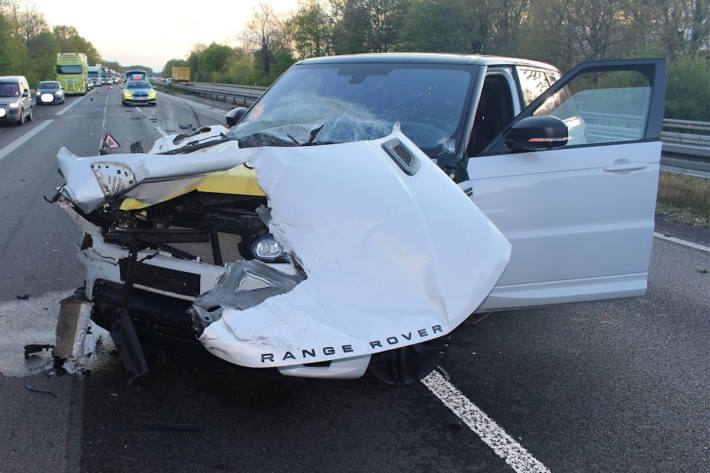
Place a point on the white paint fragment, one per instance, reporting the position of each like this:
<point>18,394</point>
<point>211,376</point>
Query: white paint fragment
<point>486,428</point>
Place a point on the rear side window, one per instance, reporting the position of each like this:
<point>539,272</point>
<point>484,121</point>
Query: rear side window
<point>533,82</point>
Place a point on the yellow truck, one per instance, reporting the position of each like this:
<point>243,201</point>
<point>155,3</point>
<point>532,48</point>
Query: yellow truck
<point>181,74</point>
<point>72,70</point>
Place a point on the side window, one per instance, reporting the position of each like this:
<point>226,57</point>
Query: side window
<point>533,82</point>
<point>601,107</point>
<point>494,112</point>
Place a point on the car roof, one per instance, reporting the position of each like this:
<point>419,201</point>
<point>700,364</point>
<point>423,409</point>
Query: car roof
<point>426,58</point>
<point>11,78</point>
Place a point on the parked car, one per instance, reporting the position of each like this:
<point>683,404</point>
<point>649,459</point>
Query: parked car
<point>397,186</point>
<point>49,92</point>
<point>15,100</point>
<point>138,92</point>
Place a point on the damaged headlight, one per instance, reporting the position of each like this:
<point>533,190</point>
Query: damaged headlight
<point>267,249</point>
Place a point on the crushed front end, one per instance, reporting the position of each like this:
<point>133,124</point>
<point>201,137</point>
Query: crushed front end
<point>314,261</point>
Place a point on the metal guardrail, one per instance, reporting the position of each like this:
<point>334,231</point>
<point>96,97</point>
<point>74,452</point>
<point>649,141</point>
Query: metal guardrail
<point>229,93</point>
<point>691,143</point>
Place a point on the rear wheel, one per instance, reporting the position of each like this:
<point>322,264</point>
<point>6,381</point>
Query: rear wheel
<point>408,365</point>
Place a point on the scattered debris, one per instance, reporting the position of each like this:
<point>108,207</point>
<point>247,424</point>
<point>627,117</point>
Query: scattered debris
<point>176,427</point>
<point>35,348</point>
<point>703,271</point>
<point>41,391</point>
<point>23,297</point>
<point>186,127</point>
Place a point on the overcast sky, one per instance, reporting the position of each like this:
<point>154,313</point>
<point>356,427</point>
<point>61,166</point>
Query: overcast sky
<point>150,32</point>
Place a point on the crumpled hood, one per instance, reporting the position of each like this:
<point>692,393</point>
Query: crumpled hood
<point>391,259</point>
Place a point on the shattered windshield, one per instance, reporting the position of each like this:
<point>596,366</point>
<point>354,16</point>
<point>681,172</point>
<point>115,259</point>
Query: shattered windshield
<point>337,103</point>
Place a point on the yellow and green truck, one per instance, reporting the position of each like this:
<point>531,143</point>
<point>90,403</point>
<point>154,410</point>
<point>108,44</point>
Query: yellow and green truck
<point>72,69</point>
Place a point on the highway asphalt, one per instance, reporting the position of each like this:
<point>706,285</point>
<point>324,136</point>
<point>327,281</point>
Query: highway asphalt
<point>607,386</point>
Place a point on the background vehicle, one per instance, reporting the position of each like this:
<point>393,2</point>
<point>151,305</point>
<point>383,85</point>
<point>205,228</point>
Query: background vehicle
<point>105,80</point>
<point>72,69</point>
<point>95,74</point>
<point>49,92</point>
<point>138,91</point>
<point>15,100</point>
<point>180,74</point>
<point>136,74</point>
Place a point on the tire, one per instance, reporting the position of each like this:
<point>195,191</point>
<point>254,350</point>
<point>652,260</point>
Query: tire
<point>124,103</point>
<point>29,117</point>
<point>407,365</point>
<point>21,120</point>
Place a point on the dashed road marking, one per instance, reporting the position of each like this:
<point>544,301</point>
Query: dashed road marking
<point>493,435</point>
<point>680,241</point>
<point>68,107</point>
<point>24,138</point>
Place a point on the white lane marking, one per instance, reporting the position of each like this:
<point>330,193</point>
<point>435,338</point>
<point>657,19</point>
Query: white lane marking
<point>68,107</point>
<point>161,131</point>
<point>103,124</point>
<point>689,244</point>
<point>486,428</point>
<point>23,139</point>
<point>22,322</point>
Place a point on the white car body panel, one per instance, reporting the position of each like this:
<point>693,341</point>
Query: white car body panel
<point>580,221</point>
<point>391,259</point>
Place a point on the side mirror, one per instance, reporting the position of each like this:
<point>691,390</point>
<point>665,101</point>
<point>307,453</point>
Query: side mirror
<point>234,115</point>
<point>26,93</point>
<point>536,133</point>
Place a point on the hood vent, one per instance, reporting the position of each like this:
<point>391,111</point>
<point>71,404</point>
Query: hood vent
<point>402,156</point>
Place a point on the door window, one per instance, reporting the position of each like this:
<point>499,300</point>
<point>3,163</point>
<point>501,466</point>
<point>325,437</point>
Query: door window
<point>601,107</point>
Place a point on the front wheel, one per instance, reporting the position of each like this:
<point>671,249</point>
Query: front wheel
<point>408,365</point>
<point>21,120</point>
<point>29,117</point>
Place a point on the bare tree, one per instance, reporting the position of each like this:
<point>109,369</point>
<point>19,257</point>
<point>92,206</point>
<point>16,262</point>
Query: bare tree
<point>263,35</point>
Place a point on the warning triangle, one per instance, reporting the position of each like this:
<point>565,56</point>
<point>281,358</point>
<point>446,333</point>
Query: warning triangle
<point>110,141</point>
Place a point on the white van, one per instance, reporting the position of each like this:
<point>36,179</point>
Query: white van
<point>15,99</point>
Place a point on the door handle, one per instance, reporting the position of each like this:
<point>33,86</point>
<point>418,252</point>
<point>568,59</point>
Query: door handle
<point>625,167</point>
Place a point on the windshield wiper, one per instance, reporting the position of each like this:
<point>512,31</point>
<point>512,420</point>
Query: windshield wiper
<point>312,138</point>
<point>199,144</point>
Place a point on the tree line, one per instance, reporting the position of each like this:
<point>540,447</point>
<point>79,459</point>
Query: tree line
<point>29,47</point>
<point>560,32</point>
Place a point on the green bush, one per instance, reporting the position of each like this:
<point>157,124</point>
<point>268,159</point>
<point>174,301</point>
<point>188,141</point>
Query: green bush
<point>688,88</point>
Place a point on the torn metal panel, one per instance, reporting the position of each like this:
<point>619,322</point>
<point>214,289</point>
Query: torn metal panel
<point>87,178</point>
<point>244,284</point>
<point>72,326</point>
